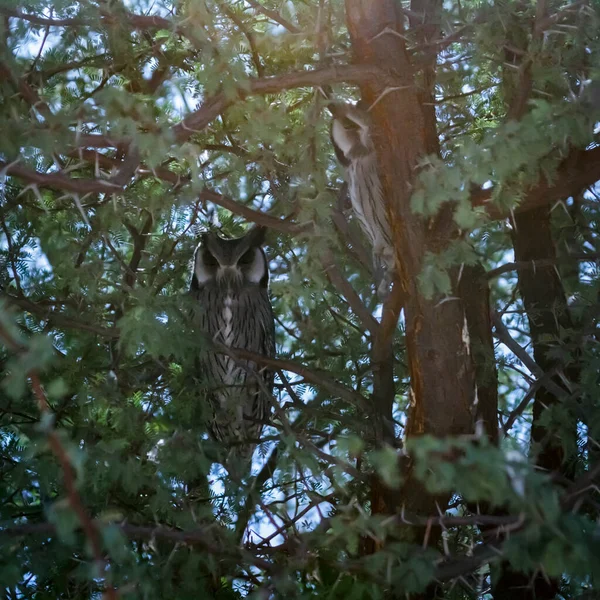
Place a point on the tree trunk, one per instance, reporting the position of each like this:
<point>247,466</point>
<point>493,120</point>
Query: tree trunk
<point>475,294</point>
<point>547,312</point>
<point>441,373</point>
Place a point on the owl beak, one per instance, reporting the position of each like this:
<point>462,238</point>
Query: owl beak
<point>229,273</point>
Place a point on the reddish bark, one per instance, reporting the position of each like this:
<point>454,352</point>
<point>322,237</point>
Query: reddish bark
<point>442,377</point>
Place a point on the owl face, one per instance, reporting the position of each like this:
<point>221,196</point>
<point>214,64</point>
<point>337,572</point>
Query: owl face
<point>350,131</point>
<point>231,263</point>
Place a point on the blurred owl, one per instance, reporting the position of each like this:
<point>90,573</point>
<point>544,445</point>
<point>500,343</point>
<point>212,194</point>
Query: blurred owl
<point>351,137</point>
<point>230,282</point>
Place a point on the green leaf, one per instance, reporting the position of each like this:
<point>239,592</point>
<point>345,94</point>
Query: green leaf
<point>386,461</point>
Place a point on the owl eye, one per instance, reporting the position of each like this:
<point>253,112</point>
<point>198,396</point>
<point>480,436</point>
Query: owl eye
<point>247,257</point>
<point>349,123</point>
<point>209,260</point>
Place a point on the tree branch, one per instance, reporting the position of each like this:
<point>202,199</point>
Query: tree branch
<point>198,120</point>
<point>58,180</point>
<point>202,537</point>
<point>194,123</point>
<point>504,336</point>
<point>58,319</point>
<point>255,216</point>
<point>542,262</point>
<point>345,288</point>
<point>274,16</point>
<point>27,92</point>
<point>136,21</point>
<point>579,170</point>
<point>319,378</point>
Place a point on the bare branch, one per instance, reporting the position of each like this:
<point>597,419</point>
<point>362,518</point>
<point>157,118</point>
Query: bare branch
<point>59,181</point>
<point>283,225</point>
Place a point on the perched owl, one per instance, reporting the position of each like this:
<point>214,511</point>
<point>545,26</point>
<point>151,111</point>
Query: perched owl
<point>353,145</point>
<point>230,283</point>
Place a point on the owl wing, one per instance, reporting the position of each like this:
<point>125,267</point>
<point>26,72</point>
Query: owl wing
<point>263,342</point>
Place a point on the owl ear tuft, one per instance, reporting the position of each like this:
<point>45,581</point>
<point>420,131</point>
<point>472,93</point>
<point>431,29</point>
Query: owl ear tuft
<point>256,235</point>
<point>202,273</point>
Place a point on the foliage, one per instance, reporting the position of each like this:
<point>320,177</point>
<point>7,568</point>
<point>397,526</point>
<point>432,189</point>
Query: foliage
<point>129,128</point>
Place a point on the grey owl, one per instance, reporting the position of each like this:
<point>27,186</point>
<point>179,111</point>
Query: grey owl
<point>230,283</point>
<point>353,145</point>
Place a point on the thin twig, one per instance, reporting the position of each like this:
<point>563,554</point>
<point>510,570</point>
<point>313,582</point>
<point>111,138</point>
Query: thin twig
<point>319,378</point>
<point>348,292</point>
<point>274,16</point>
<point>502,333</point>
<point>542,262</point>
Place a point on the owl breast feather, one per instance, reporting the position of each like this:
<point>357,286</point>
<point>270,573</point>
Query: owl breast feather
<point>366,195</point>
<point>240,318</point>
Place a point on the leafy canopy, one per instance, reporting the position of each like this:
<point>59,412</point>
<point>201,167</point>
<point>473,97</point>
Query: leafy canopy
<point>128,129</point>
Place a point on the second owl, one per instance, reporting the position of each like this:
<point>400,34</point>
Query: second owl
<point>230,281</point>
<point>353,145</point>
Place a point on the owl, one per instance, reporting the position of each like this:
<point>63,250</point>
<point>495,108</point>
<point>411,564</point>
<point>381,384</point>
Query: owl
<point>230,283</point>
<point>353,145</point>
